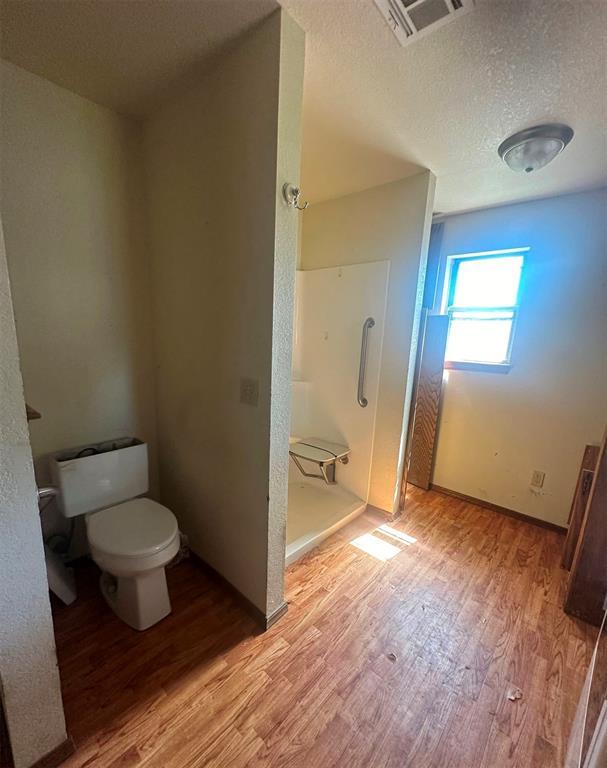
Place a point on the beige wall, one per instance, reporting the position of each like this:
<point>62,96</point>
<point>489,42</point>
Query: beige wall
<point>29,679</point>
<point>391,223</point>
<point>286,248</point>
<point>495,429</point>
<point>72,205</point>
<point>73,210</point>
<point>224,251</point>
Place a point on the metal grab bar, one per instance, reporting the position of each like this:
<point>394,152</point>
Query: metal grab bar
<point>362,400</point>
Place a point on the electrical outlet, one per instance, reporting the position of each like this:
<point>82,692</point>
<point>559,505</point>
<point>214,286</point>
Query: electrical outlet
<point>249,391</point>
<point>537,478</point>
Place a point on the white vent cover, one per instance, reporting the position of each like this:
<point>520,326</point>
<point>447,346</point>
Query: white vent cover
<point>410,19</point>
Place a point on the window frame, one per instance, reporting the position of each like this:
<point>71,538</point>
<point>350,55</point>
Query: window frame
<point>453,263</point>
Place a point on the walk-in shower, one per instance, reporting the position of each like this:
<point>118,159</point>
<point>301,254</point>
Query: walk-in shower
<point>337,348</point>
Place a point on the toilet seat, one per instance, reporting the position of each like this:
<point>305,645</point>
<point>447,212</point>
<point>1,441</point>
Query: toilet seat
<point>138,528</point>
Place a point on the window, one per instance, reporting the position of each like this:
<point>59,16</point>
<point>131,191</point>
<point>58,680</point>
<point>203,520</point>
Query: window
<point>482,301</point>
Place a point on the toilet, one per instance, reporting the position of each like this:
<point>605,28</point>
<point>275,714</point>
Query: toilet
<point>131,538</point>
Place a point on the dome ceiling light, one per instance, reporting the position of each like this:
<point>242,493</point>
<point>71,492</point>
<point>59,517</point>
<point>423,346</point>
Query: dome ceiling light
<point>535,147</point>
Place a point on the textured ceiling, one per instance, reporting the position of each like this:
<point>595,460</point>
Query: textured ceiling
<point>373,111</point>
<point>125,54</point>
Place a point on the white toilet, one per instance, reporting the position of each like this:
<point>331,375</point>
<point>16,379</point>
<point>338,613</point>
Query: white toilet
<point>131,538</point>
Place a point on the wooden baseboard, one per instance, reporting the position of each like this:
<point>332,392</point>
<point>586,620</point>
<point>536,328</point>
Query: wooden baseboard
<point>56,756</point>
<point>263,621</point>
<point>500,510</point>
<point>389,517</point>
<point>275,615</point>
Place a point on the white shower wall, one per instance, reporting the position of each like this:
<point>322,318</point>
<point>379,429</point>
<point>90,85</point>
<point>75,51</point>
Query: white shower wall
<point>331,306</point>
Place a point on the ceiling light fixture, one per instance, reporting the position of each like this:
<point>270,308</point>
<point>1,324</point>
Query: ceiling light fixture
<point>535,147</point>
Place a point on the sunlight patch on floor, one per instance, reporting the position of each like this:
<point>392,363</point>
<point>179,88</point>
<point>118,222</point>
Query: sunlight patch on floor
<point>376,547</point>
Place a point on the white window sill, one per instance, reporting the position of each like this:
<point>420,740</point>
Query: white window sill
<point>461,365</point>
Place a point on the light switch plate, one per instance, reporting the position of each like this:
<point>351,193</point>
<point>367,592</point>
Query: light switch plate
<point>249,391</point>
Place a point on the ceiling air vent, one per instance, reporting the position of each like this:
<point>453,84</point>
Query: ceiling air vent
<point>411,19</point>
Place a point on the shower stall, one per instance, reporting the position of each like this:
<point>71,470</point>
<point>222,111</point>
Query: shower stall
<point>337,351</point>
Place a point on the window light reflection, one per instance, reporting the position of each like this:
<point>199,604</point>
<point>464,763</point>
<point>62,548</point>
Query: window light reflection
<point>376,547</point>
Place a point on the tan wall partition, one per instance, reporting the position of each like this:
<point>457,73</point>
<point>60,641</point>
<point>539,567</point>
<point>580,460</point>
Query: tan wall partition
<point>29,679</point>
<point>224,251</point>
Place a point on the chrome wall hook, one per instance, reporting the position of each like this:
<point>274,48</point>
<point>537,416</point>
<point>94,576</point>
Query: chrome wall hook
<point>291,195</point>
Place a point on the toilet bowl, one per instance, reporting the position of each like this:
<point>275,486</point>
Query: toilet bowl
<point>131,538</point>
<point>132,543</point>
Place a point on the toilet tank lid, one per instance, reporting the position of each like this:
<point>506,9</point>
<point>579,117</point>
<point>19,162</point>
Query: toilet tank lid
<point>132,529</point>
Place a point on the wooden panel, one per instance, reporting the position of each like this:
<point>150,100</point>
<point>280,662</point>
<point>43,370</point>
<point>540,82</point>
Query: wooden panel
<point>597,696</point>
<point>397,663</point>
<point>591,706</point>
<point>427,401</point>
<point>418,354</point>
<point>580,501</point>
<point>587,585</point>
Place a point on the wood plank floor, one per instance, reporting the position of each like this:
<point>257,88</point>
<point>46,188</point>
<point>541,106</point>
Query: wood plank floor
<point>400,661</point>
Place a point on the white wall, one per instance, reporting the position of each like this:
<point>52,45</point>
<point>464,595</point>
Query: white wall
<point>29,679</point>
<point>332,306</point>
<point>224,252</point>
<point>495,429</point>
<point>390,223</point>
<point>72,207</point>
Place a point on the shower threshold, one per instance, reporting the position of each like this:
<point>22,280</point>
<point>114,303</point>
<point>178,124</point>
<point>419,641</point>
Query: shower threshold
<point>315,512</point>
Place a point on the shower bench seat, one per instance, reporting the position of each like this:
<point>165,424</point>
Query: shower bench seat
<point>320,452</point>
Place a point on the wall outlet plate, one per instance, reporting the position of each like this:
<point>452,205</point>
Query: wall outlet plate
<point>249,391</point>
<point>537,478</point>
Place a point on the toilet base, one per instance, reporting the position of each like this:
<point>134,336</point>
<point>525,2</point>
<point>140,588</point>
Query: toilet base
<point>140,601</point>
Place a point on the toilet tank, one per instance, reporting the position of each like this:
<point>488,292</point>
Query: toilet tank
<point>99,475</point>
